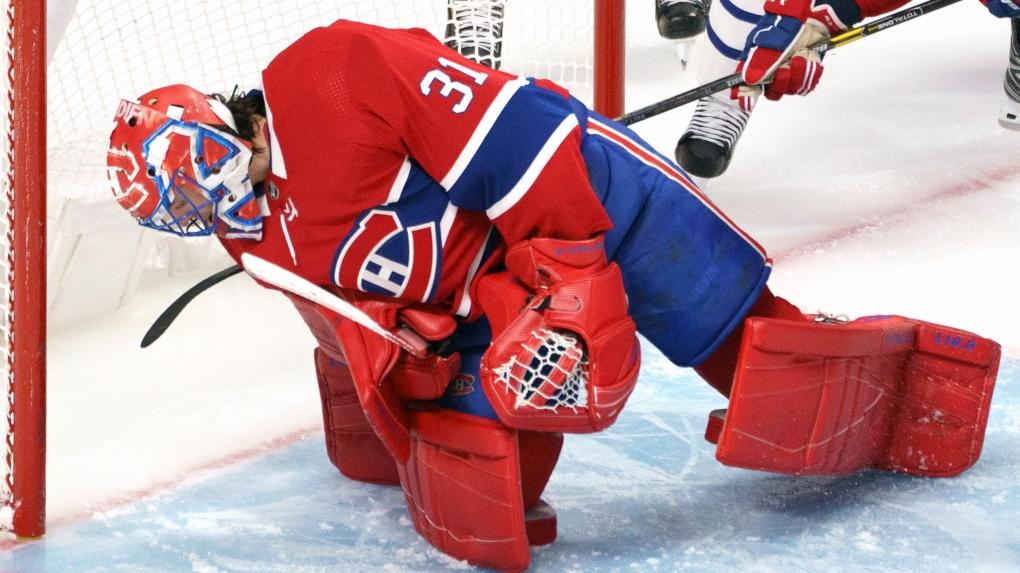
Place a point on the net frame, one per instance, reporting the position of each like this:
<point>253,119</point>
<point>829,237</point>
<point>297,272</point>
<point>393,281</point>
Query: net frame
<point>24,315</point>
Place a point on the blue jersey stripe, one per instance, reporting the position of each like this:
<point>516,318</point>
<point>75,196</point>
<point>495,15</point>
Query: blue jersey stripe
<point>510,147</point>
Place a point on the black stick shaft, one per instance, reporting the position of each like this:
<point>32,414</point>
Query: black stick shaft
<point>170,314</point>
<point>821,47</point>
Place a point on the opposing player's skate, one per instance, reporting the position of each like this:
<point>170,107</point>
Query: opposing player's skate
<point>705,149</point>
<point>681,19</point>
<point>1009,114</point>
<point>475,29</point>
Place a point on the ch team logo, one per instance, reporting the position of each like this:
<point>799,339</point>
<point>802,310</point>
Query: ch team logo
<point>383,256</point>
<point>461,385</point>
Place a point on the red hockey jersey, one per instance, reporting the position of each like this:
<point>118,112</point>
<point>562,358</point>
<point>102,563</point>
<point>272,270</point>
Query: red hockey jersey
<point>400,168</point>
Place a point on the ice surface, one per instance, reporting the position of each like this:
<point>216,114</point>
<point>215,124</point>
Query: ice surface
<point>891,190</point>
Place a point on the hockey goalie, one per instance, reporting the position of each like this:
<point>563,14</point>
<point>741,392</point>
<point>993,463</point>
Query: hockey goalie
<point>503,246</point>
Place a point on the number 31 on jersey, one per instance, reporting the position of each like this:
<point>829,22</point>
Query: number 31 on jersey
<point>439,78</point>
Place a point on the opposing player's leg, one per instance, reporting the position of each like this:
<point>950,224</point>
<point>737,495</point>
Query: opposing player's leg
<point>706,146</point>
<point>1009,114</point>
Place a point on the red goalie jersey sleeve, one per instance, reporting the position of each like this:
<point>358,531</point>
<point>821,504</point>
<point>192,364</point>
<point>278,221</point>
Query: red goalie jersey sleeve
<point>495,143</point>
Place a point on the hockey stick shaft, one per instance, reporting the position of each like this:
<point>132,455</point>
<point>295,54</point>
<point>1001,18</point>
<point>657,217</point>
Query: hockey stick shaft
<point>283,279</point>
<point>851,35</point>
<point>170,314</point>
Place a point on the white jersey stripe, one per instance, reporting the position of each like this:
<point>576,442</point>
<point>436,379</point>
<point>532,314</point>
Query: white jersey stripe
<point>276,163</point>
<point>464,306</point>
<point>397,188</point>
<point>446,223</point>
<point>595,127</point>
<point>481,131</point>
<point>535,169</point>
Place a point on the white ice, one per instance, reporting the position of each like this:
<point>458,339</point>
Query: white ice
<point>891,190</point>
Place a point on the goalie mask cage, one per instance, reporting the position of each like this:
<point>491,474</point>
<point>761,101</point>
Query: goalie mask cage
<point>56,129</point>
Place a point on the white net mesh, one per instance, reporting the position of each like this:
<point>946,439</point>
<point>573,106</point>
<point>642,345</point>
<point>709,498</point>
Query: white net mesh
<point>550,373</point>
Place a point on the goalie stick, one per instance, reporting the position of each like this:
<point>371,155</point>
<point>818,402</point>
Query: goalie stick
<point>167,317</point>
<point>851,35</point>
<point>283,279</point>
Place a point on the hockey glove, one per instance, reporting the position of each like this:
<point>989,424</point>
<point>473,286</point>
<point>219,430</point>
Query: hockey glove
<point>1003,8</point>
<point>776,54</point>
<point>565,355</point>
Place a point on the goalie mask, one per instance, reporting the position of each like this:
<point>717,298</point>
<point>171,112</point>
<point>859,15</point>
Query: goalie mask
<point>174,171</point>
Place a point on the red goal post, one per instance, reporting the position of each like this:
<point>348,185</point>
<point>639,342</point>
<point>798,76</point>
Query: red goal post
<point>23,200</point>
<point>55,143</point>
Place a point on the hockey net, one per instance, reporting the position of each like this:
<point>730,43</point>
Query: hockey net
<point>102,50</point>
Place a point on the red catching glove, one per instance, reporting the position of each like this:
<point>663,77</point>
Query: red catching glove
<point>565,354</point>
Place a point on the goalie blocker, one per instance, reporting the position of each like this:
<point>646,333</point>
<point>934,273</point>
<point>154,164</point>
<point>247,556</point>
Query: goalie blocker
<point>883,392</point>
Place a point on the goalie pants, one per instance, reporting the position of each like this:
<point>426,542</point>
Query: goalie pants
<point>691,274</point>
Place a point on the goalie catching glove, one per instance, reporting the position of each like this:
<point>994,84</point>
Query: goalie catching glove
<point>565,354</point>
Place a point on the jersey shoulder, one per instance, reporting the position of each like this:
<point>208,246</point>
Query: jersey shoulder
<point>355,41</point>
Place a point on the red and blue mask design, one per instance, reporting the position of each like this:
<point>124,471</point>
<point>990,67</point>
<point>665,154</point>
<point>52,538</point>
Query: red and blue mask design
<point>179,174</point>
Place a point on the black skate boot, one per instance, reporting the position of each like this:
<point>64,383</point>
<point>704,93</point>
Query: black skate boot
<point>679,19</point>
<point>475,29</point>
<point>1009,115</point>
<point>705,149</point>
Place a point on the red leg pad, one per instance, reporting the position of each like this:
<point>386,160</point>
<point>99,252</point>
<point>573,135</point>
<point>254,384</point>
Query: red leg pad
<point>351,443</point>
<point>883,392</point>
<point>463,488</point>
<point>719,368</point>
<point>939,427</point>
